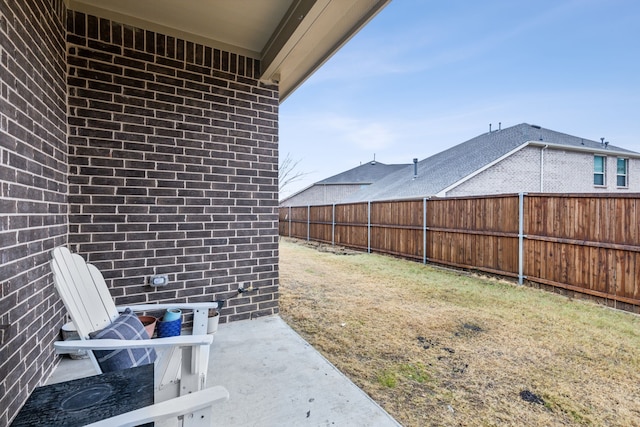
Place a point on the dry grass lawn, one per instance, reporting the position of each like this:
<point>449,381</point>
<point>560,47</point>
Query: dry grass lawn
<point>438,347</point>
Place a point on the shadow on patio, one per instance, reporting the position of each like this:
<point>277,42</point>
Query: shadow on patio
<point>274,378</point>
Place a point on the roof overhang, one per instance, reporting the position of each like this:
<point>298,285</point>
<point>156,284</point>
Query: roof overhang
<point>604,150</point>
<point>291,38</point>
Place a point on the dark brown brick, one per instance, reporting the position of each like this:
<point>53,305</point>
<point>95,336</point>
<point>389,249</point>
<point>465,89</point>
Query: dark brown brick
<point>165,161</point>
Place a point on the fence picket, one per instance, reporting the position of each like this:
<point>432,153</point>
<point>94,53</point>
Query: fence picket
<point>586,243</point>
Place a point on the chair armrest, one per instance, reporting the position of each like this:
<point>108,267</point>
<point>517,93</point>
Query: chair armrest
<point>181,306</point>
<point>112,344</point>
<point>172,408</point>
<point>200,311</point>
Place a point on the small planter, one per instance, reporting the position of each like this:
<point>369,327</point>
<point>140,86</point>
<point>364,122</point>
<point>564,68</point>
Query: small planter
<point>149,323</point>
<point>69,332</point>
<point>212,321</point>
<point>172,314</point>
<point>169,329</point>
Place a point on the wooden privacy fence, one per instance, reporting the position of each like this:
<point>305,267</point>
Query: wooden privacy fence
<point>585,243</point>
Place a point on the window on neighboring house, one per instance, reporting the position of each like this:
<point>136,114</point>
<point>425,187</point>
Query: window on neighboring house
<point>599,170</point>
<point>622,173</point>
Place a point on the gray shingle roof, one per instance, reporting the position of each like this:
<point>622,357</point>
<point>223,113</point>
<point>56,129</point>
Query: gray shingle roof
<point>441,170</point>
<point>364,174</point>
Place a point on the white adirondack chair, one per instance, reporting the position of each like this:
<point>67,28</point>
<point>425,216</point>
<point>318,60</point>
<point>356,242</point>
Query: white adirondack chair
<point>182,362</point>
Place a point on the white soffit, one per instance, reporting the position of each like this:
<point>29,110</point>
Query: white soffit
<point>242,26</point>
<point>292,38</point>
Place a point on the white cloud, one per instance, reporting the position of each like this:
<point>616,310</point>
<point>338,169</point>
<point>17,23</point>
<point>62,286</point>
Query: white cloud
<point>357,132</point>
<point>427,43</point>
<point>366,134</point>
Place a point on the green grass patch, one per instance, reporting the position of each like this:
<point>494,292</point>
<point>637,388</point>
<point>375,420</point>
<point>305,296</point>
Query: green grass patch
<point>391,376</point>
<point>387,378</point>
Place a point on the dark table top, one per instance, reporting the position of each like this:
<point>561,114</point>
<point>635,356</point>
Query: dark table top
<point>86,400</point>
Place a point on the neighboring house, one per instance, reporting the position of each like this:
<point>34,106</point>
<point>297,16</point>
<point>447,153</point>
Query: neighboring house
<point>144,136</point>
<point>338,187</point>
<point>522,158</point>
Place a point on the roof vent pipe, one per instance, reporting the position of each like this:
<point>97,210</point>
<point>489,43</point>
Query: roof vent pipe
<point>499,125</point>
<point>489,127</point>
<point>415,167</point>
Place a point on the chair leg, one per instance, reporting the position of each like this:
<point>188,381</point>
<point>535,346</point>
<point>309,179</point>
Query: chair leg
<point>181,371</point>
<point>190,380</point>
<point>167,374</point>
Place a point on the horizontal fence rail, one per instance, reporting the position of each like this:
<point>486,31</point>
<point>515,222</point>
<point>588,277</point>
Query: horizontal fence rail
<point>584,243</point>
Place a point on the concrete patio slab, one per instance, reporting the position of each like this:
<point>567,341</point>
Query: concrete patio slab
<point>274,378</point>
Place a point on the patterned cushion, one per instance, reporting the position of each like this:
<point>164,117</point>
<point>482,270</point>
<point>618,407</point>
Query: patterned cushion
<point>126,327</point>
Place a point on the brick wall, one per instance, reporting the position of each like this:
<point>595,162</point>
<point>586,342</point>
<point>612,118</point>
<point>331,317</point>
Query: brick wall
<point>173,167</point>
<point>520,172</point>
<point>33,203</point>
<point>580,180</point>
<point>556,165</point>
<point>165,164</point>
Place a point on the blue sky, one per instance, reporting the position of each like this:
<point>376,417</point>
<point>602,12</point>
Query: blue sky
<point>423,76</point>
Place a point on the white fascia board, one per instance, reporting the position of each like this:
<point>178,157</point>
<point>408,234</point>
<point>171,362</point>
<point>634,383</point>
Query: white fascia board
<point>443,192</point>
<point>603,150</point>
<point>296,193</point>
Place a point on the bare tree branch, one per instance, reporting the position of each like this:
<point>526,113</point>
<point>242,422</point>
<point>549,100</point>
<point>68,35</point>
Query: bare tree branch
<point>288,172</point>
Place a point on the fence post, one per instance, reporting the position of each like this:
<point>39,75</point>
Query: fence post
<point>289,220</point>
<point>424,230</point>
<point>369,227</point>
<point>308,222</point>
<point>520,238</point>
<point>333,225</point>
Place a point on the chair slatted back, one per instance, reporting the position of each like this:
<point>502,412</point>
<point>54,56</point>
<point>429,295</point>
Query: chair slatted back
<point>83,291</point>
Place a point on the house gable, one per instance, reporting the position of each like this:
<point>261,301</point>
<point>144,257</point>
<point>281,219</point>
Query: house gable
<point>548,169</point>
